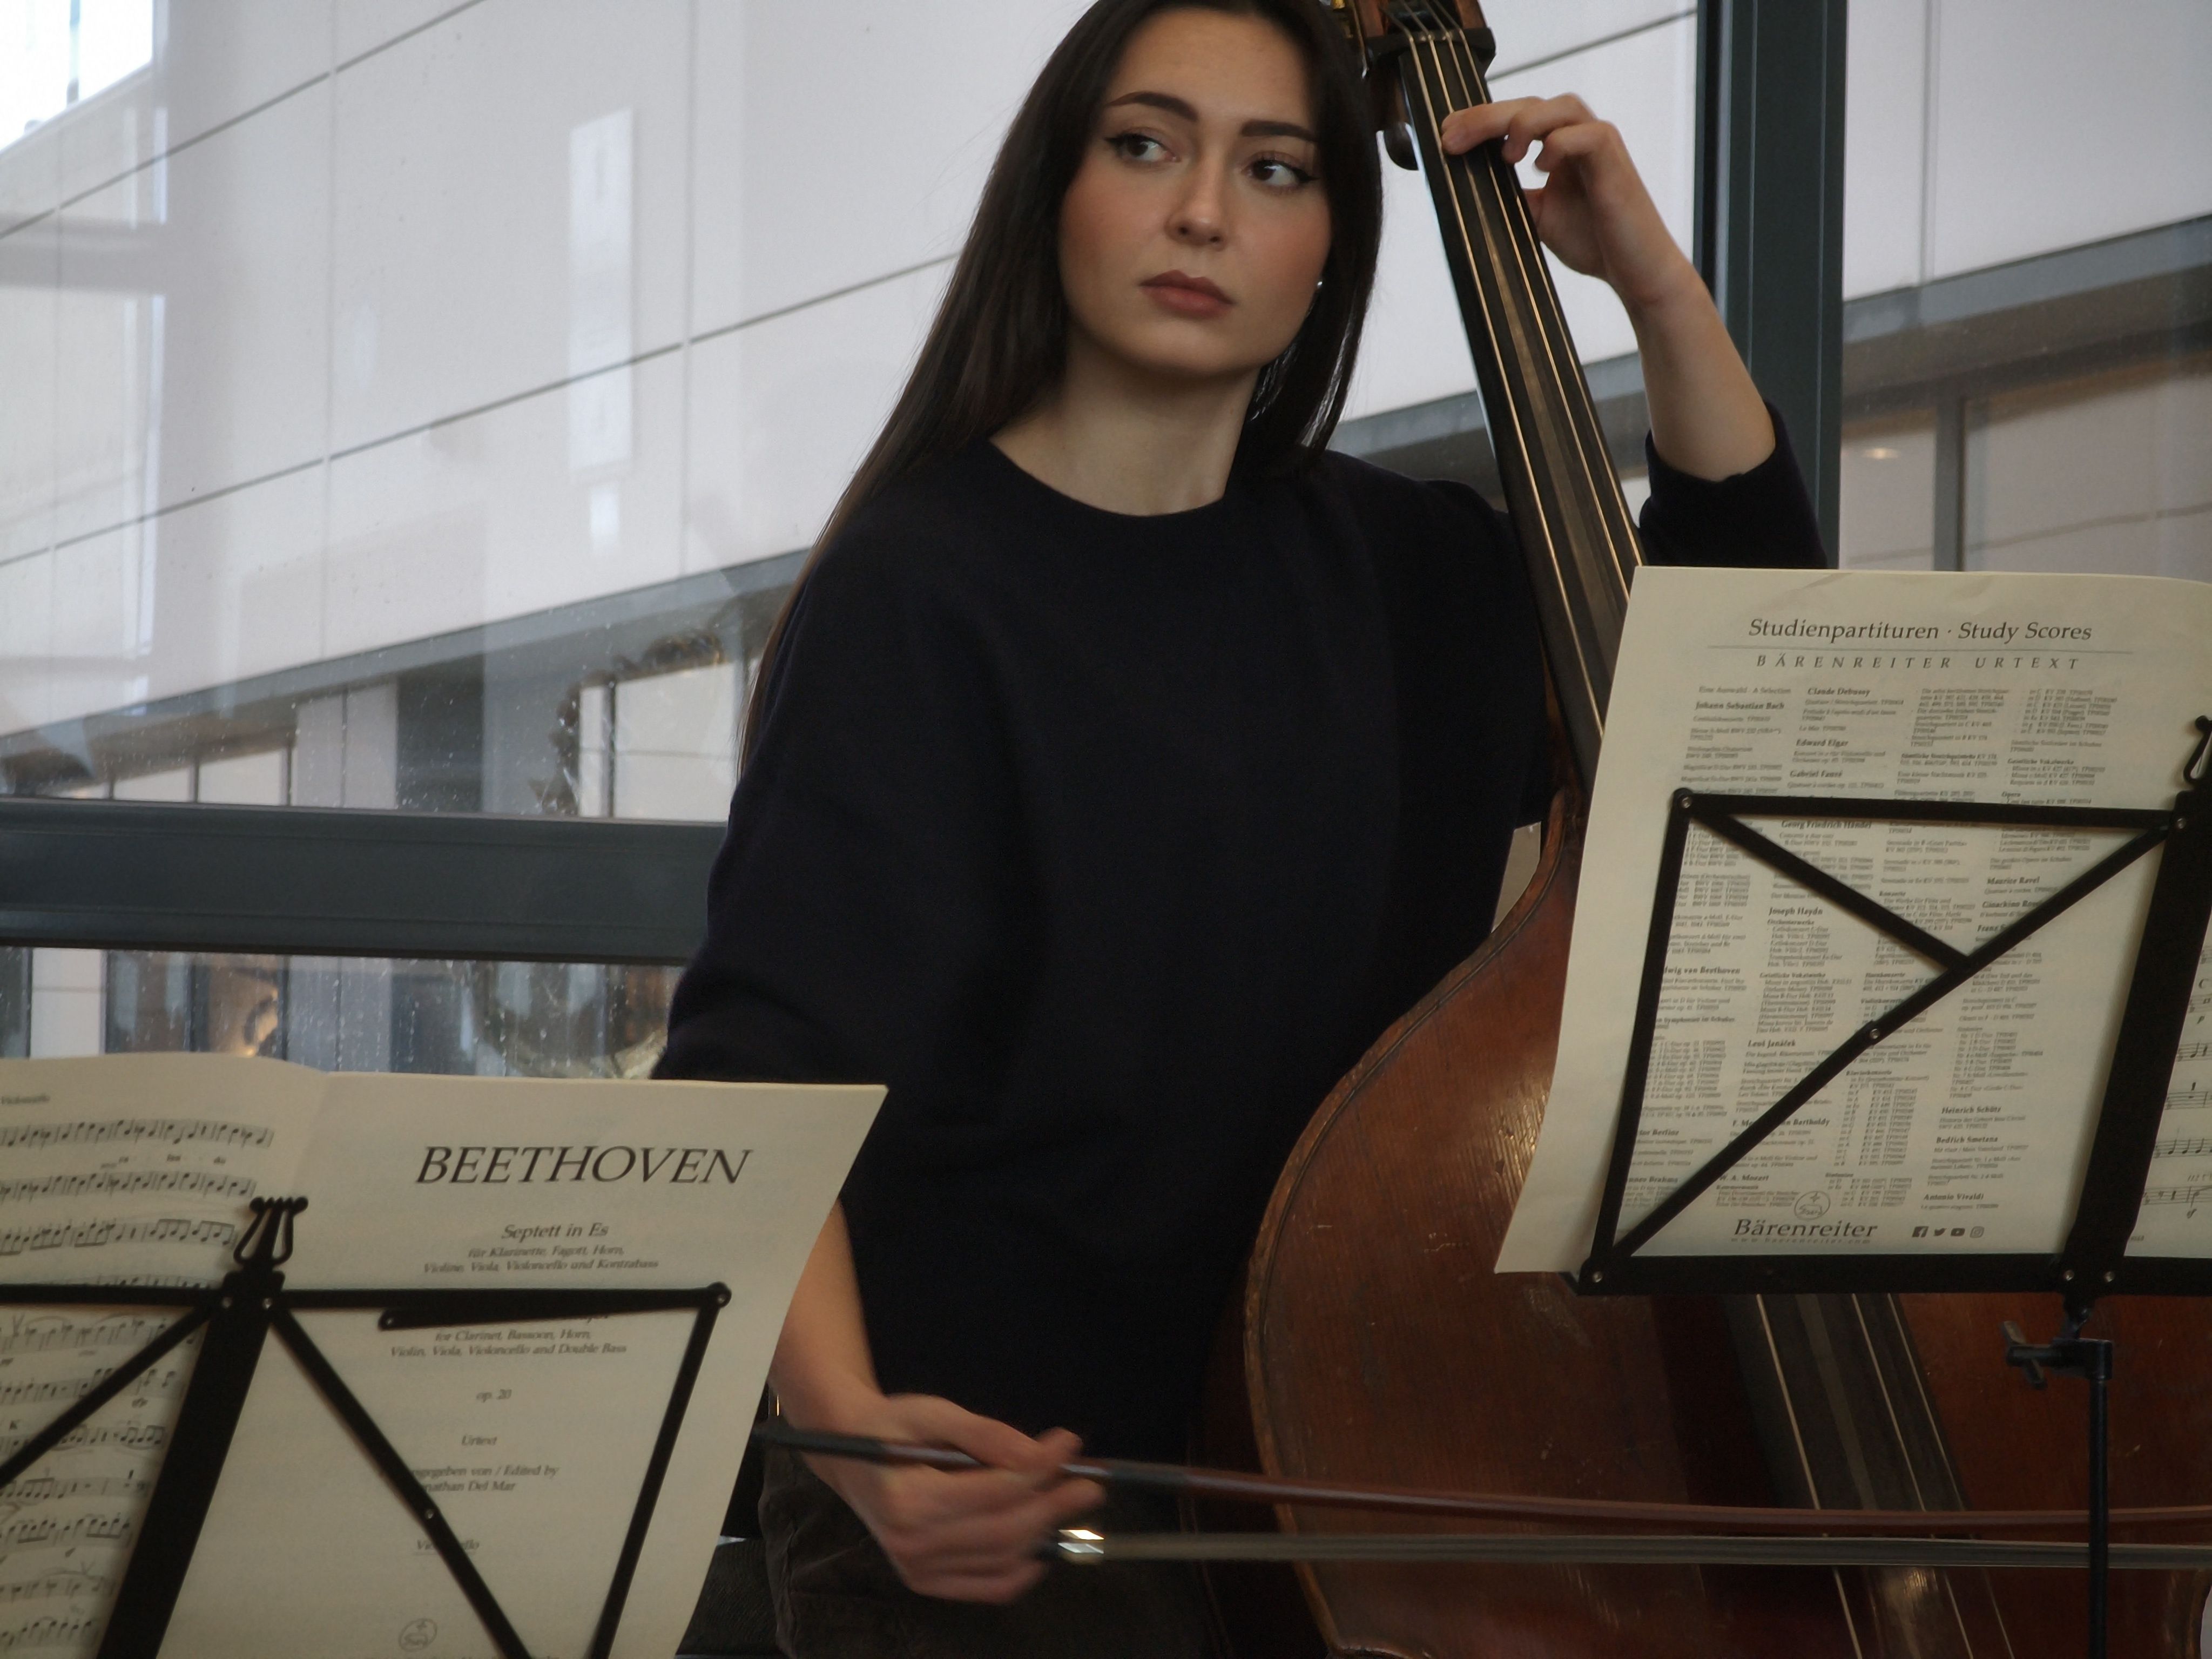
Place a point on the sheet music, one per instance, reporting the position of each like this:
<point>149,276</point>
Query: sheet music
<point>2176,1218</point>
<point>132,1169</point>
<point>532,1438</point>
<point>1967,1130</point>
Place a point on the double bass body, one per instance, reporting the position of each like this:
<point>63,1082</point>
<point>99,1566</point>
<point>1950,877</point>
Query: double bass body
<point>1377,1345</point>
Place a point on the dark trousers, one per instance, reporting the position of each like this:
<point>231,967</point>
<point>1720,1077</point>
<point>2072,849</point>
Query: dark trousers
<point>838,1595</point>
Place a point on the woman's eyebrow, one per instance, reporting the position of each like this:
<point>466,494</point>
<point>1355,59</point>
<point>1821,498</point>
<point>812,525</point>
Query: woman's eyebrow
<point>1181,107</point>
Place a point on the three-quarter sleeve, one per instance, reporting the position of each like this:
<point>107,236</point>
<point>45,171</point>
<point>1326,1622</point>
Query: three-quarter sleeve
<point>861,914</point>
<point>1761,518</point>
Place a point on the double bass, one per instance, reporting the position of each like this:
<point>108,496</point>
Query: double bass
<point>1375,1345</point>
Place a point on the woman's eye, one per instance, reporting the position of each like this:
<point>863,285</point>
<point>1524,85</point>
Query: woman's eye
<point>1136,147</point>
<point>1279,175</point>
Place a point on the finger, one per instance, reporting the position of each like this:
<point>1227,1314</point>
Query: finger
<point>1539,119</point>
<point>1586,141</point>
<point>1000,1446</point>
<point>1049,1453</point>
<point>1463,129</point>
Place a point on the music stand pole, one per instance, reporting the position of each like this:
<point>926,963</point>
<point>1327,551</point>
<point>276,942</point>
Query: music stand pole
<point>2091,1359</point>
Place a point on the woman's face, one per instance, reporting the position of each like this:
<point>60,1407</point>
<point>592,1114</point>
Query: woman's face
<point>1196,229</point>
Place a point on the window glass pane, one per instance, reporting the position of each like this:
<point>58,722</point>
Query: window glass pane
<point>484,1019</point>
<point>55,53</point>
<point>432,414</point>
<point>1887,505</point>
<point>2110,472</point>
<point>2025,377</point>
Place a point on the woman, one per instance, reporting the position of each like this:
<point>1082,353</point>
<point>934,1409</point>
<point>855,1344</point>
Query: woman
<point>1122,765</point>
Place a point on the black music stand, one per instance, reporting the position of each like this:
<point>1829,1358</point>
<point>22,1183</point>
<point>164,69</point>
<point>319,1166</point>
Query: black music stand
<point>2094,1260</point>
<point>237,1315</point>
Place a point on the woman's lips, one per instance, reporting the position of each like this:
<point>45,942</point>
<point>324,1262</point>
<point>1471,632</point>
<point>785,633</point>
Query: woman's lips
<point>1187,295</point>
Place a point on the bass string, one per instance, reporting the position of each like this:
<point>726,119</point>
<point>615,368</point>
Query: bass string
<point>1509,208</point>
<point>1509,414</point>
<point>1482,198</point>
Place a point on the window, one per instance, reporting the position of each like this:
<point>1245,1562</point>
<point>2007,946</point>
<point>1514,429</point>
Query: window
<point>2027,359</point>
<point>54,53</point>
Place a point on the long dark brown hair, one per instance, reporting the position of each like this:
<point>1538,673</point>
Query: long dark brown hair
<point>1000,341</point>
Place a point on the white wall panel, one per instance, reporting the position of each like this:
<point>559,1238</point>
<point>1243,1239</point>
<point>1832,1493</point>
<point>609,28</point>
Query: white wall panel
<point>29,314</point>
<point>1888,502</point>
<point>1529,29</point>
<point>483,517</point>
<point>238,585</point>
<point>2117,481</point>
<point>66,1003</point>
<point>452,187</point>
<point>243,779</point>
<point>836,144</point>
<point>97,649</point>
<point>172,784</point>
<point>30,176</point>
<point>214,62</point>
<point>197,354</point>
<point>361,26</point>
<point>782,411</point>
<point>105,402</point>
<point>219,58</point>
<point>676,743</point>
<point>27,591</point>
<point>2057,124</point>
<point>1414,349</point>
<point>1885,149</point>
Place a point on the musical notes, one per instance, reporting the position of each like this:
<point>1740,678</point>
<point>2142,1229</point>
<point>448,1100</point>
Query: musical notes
<point>48,1633</point>
<point>2192,1051</point>
<point>159,1131</point>
<point>90,1234</point>
<point>50,1585</point>
<point>26,1333</point>
<point>127,1185</point>
<point>132,1437</point>
<point>2187,1146</point>
<point>95,1525</point>
<point>2174,1195</point>
<point>86,1593</point>
<point>2190,1095</point>
<point>45,1488</point>
<point>41,1389</point>
<point>109,1181</point>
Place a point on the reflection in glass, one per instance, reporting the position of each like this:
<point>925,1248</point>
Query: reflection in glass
<point>2026,381</point>
<point>2109,472</point>
<point>1887,516</point>
<point>636,718</point>
<point>15,1002</point>
<point>481,1018</point>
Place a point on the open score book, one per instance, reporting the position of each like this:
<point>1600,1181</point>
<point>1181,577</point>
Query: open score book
<point>532,1438</point>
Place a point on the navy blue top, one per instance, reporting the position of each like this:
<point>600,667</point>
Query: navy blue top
<point>1109,842</point>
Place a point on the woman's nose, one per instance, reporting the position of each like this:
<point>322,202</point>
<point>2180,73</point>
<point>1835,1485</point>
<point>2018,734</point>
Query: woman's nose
<point>1198,216</point>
